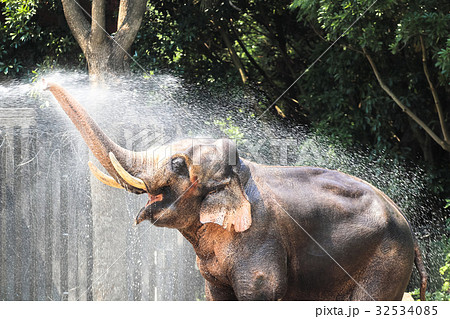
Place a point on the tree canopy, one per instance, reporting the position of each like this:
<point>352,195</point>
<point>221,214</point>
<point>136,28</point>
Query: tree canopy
<point>368,72</point>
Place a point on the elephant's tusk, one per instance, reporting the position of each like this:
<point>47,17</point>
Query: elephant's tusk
<point>133,181</point>
<point>102,177</point>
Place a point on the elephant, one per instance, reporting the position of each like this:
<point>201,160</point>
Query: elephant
<point>263,232</point>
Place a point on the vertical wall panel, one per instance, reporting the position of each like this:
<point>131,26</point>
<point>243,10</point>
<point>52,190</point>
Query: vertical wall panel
<point>24,228</point>
<point>11,256</point>
<point>71,212</point>
<point>61,239</point>
<point>16,180</point>
<point>40,241</point>
<point>3,217</point>
<point>81,190</point>
<point>55,224</point>
<point>66,170</point>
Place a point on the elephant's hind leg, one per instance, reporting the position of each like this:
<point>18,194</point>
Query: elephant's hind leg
<point>386,276</point>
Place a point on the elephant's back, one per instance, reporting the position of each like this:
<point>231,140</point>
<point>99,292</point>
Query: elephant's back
<point>317,193</point>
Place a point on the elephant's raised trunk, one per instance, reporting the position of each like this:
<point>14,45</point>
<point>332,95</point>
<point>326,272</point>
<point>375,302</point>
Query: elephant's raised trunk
<point>115,159</point>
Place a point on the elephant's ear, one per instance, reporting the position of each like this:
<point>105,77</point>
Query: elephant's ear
<point>227,205</point>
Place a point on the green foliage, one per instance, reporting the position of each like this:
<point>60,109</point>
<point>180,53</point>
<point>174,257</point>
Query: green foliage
<point>276,42</point>
<point>181,33</point>
<point>16,30</point>
<point>441,293</point>
<point>342,96</point>
<point>443,63</point>
<point>439,290</point>
<point>230,129</point>
<point>26,41</point>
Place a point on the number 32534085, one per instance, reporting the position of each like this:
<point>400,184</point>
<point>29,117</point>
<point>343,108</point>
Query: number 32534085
<point>406,310</point>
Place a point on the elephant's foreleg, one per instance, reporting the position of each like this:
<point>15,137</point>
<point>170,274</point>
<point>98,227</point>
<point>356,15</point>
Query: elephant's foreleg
<point>217,293</point>
<point>261,276</point>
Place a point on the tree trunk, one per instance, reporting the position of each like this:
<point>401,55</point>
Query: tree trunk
<point>106,59</point>
<point>105,54</point>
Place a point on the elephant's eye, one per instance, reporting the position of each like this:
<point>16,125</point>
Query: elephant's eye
<point>178,165</point>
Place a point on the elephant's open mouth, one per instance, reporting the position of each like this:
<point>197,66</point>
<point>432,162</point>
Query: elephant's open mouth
<point>154,199</point>
<point>155,204</point>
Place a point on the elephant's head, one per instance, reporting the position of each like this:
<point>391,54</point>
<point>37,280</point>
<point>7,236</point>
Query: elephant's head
<point>187,182</point>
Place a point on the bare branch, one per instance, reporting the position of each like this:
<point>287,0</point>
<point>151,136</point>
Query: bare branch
<point>98,34</point>
<point>77,22</point>
<point>437,102</point>
<point>250,58</point>
<point>234,57</point>
<point>444,144</point>
<point>131,13</point>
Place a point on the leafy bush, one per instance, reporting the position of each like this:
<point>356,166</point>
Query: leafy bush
<point>441,250</point>
<point>441,293</point>
<point>32,35</point>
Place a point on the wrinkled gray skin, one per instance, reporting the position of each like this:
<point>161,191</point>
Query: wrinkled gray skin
<point>262,232</point>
